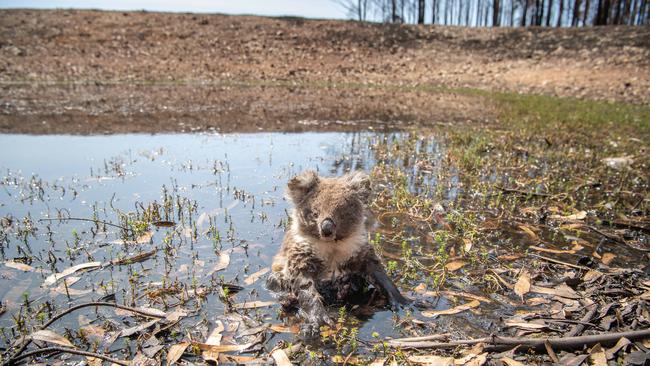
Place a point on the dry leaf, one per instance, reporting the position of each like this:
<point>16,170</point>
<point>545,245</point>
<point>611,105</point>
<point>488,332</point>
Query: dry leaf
<point>135,258</point>
<point>509,257</point>
<point>144,238</point>
<point>150,312</point>
<point>175,352</point>
<point>67,282</point>
<point>460,294</point>
<point>256,276</point>
<point>240,360</point>
<point>575,217</point>
<point>523,324</point>
<point>138,328</point>
<point>607,258</point>
<point>455,265</point>
<point>454,310</point>
<point>561,290</point>
<point>478,360</point>
<point>467,245</point>
<point>280,328</point>
<point>19,266</point>
<point>347,360</point>
<point>253,304</point>
<point>93,331</point>
<point>621,344</point>
<point>175,315</point>
<point>49,336</point>
<point>592,275</point>
<point>163,223</point>
<point>51,279</point>
<point>432,360</point>
<point>522,287</point>
<point>597,356</point>
<point>222,347</point>
<point>281,358</point>
<point>224,261</point>
<point>529,232</point>
<point>510,362</point>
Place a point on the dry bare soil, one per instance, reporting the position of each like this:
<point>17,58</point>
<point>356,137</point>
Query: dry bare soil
<point>94,72</point>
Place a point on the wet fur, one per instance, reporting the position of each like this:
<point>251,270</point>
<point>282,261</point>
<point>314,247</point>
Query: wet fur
<point>311,269</point>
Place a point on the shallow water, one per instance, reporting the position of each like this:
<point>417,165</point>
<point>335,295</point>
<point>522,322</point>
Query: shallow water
<point>232,184</point>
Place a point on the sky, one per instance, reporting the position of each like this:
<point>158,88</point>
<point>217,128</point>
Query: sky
<point>304,8</point>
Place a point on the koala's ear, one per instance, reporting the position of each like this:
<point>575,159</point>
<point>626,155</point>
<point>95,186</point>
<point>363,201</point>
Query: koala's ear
<point>302,184</point>
<point>360,183</point>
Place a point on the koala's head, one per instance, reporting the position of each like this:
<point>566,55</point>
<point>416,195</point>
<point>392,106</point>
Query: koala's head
<point>329,209</point>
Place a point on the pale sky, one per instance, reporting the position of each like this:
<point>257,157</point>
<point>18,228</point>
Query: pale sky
<point>303,8</point>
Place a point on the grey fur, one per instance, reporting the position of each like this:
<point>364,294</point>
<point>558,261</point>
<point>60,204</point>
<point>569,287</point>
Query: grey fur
<point>308,259</point>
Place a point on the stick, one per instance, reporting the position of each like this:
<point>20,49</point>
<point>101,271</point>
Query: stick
<point>578,328</point>
<point>433,337</point>
<point>69,350</point>
<point>88,220</point>
<point>496,343</point>
<point>519,191</point>
<point>15,356</point>
<point>559,262</point>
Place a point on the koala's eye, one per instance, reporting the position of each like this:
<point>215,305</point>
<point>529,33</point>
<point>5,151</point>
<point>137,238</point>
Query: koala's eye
<point>313,215</point>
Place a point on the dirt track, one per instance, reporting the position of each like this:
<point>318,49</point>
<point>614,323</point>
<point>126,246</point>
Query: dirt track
<point>94,72</point>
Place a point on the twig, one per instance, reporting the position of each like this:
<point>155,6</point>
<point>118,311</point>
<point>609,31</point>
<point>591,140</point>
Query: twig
<point>88,220</point>
<point>15,356</point>
<point>578,328</point>
<point>73,351</point>
<point>606,235</point>
<point>496,343</point>
<point>433,337</point>
<point>556,261</point>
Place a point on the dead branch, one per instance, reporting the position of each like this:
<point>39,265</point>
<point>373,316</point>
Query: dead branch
<point>578,328</point>
<point>73,351</point>
<point>519,191</point>
<point>16,356</point>
<point>497,343</point>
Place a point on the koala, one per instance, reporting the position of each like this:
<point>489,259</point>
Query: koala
<point>325,255</point>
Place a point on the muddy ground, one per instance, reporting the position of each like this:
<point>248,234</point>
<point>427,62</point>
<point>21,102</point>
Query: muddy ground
<point>74,71</point>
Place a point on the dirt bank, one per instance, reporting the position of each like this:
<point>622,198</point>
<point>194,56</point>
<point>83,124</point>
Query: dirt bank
<point>92,71</point>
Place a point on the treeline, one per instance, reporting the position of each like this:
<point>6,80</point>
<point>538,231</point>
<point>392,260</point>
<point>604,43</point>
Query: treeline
<point>496,13</point>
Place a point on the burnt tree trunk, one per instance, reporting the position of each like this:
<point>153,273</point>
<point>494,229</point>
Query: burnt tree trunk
<point>585,16</point>
<point>434,11</point>
<point>495,13</point>
<point>524,14</point>
<point>576,13</point>
<point>548,12</point>
<point>393,11</point>
<point>420,11</point>
<point>559,14</point>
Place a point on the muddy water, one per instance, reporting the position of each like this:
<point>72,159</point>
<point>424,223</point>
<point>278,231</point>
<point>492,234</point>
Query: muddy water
<point>224,192</point>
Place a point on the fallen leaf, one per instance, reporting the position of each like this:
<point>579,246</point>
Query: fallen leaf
<point>241,360</point>
<point>607,258</point>
<point>214,339</point>
<point>432,360</point>
<point>526,229</point>
<point>49,336</point>
<point>618,163</point>
<point>561,290</point>
<point>347,360</point>
<point>524,325</point>
<point>51,279</point>
<point>281,358</point>
<point>175,352</point>
<point>144,238</point>
<point>150,312</point>
<point>597,356</point>
<point>280,328</point>
<point>522,287</point>
<point>592,275</point>
<point>478,360</point>
<point>256,276</point>
<point>224,261</point>
<point>455,265</point>
<point>253,304</point>
<point>138,328</point>
<point>135,258</point>
<point>19,266</point>
<point>222,347</point>
<point>175,315</point>
<point>462,294</point>
<point>510,362</point>
<point>67,282</point>
<point>509,257</point>
<point>454,310</point>
<point>93,331</point>
<point>467,245</point>
<point>620,345</point>
<point>575,217</point>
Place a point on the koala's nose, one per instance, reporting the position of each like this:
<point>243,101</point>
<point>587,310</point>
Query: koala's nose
<point>327,227</point>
